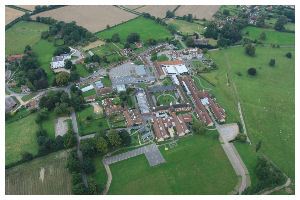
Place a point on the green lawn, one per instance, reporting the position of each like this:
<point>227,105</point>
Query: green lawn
<point>22,34</point>
<point>89,93</point>
<point>186,27</point>
<point>194,166</point>
<point>44,50</point>
<point>49,125</point>
<point>98,123</point>
<point>29,96</point>
<point>273,37</point>
<point>82,71</point>
<point>99,175</point>
<point>106,81</point>
<point>145,27</point>
<point>162,57</point>
<point>20,137</point>
<point>166,98</point>
<point>267,100</point>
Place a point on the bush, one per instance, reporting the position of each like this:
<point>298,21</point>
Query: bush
<point>272,62</point>
<point>250,50</point>
<point>241,137</point>
<point>252,71</point>
<point>26,156</point>
<point>288,55</point>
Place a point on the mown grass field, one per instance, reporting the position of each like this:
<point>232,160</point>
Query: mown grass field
<point>267,100</point>
<point>272,36</point>
<point>44,175</point>
<point>97,124</point>
<point>22,34</point>
<point>186,27</point>
<point>194,166</point>
<point>20,137</point>
<point>44,50</point>
<point>145,27</point>
<point>82,71</point>
<point>49,125</point>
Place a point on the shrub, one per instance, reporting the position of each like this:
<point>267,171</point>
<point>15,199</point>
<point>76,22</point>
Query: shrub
<point>252,71</point>
<point>272,62</point>
<point>241,137</point>
<point>288,55</point>
<point>250,50</point>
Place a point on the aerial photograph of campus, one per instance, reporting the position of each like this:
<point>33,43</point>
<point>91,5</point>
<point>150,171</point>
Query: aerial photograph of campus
<point>149,99</point>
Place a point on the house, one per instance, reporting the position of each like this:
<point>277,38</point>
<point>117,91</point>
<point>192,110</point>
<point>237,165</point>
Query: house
<point>25,89</point>
<point>13,58</point>
<point>87,88</point>
<point>10,104</point>
<point>109,108</point>
<point>172,67</point>
<point>99,84</point>
<point>142,102</point>
<point>59,61</point>
<point>132,117</point>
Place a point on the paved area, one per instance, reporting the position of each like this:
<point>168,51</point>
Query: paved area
<point>151,152</point>
<point>228,131</point>
<point>61,126</point>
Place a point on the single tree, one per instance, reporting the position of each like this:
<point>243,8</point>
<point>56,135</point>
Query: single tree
<point>252,71</point>
<point>272,62</point>
<point>288,55</point>
<point>68,64</point>
<point>62,78</point>
<point>115,37</point>
<point>262,36</point>
<point>114,138</point>
<point>250,49</point>
<point>101,144</point>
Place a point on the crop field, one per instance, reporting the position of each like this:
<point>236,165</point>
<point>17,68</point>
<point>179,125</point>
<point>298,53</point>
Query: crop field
<point>267,100</point>
<point>97,124</point>
<point>192,167</point>
<point>147,29</point>
<point>272,36</point>
<point>22,34</point>
<point>93,18</point>
<point>198,11</point>
<point>45,175</point>
<point>186,27</point>
<point>27,7</point>
<point>157,10</point>
<point>133,7</point>
<point>44,50</point>
<point>12,14</point>
<point>20,137</point>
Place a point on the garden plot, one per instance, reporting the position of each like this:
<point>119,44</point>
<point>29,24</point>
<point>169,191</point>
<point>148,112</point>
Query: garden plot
<point>93,18</point>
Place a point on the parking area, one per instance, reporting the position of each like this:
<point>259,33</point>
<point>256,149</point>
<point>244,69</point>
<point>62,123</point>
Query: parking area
<point>151,152</point>
<point>228,132</point>
<point>61,126</point>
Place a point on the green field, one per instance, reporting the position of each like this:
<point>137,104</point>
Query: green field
<point>166,98</point>
<point>82,71</point>
<point>194,166</point>
<point>22,34</point>
<point>44,50</point>
<point>145,27</point>
<point>272,36</point>
<point>97,124</point>
<point>267,100</point>
<point>20,137</point>
<point>186,27</point>
<point>49,125</point>
<point>44,175</point>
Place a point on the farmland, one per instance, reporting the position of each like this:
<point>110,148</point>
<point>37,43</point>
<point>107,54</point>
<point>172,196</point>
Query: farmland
<point>156,10</point>
<point>192,167</point>
<point>268,112</point>
<point>198,11</point>
<point>272,36</point>
<point>44,175</point>
<point>186,27</point>
<point>12,14</point>
<point>44,51</point>
<point>20,137</point>
<point>22,34</point>
<point>145,27</point>
<point>97,123</point>
<point>27,7</point>
<point>86,16</point>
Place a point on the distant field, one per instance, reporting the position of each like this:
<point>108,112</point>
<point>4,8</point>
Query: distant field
<point>20,136</point>
<point>186,27</point>
<point>27,7</point>
<point>44,50</point>
<point>194,166</point>
<point>92,17</point>
<point>145,27</point>
<point>12,14</point>
<point>156,10</point>
<point>133,7</point>
<point>267,100</point>
<point>44,175</point>
<point>273,37</point>
<point>22,34</point>
<point>198,11</point>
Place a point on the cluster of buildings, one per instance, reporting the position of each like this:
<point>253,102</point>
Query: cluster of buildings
<point>203,102</point>
<point>110,108</point>
<point>132,117</point>
<point>169,68</point>
<point>129,74</point>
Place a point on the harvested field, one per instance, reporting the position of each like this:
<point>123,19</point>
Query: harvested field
<point>93,45</point>
<point>157,10</point>
<point>45,175</point>
<point>27,7</point>
<point>198,11</point>
<point>12,14</point>
<point>133,7</point>
<point>93,18</point>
